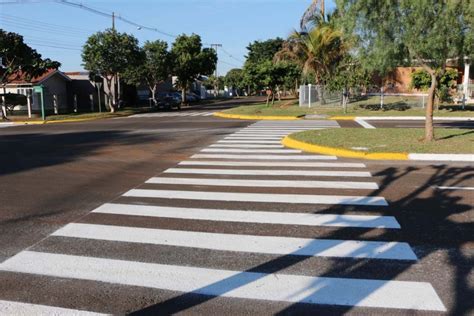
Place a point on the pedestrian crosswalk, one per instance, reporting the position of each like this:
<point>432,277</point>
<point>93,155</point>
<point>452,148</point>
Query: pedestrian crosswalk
<point>242,199</point>
<point>175,114</point>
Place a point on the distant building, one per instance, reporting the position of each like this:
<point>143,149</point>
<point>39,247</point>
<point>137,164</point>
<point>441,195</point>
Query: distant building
<point>55,87</point>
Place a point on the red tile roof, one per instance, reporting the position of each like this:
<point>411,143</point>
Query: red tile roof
<point>20,78</point>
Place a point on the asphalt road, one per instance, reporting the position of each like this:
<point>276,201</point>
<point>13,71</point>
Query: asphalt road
<point>199,215</point>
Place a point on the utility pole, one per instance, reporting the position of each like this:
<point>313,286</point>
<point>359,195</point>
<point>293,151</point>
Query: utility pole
<point>113,21</point>
<point>216,86</point>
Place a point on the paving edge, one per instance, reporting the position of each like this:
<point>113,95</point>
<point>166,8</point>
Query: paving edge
<point>65,120</point>
<point>256,117</point>
<point>340,152</point>
<point>400,118</point>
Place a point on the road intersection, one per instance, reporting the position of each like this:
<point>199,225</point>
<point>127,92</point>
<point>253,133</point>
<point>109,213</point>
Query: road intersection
<point>235,223</point>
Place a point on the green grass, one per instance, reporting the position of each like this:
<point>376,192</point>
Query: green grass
<point>393,106</point>
<point>392,140</point>
<point>278,109</point>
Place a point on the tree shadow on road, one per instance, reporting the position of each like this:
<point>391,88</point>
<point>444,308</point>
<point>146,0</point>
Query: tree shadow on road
<point>430,222</point>
<point>21,152</point>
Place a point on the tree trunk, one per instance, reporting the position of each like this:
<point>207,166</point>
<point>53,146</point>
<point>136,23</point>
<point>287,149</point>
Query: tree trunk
<point>183,95</point>
<point>429,131</point>
<point>381,96</point>
<point>320,90</point>
<point>153,95</point>
<point>110,94</point>
<point>4,103</point>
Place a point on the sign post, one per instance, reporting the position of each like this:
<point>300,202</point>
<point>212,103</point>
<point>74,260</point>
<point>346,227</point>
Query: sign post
<point>39,89</point>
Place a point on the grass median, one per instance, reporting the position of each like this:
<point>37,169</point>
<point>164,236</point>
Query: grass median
<point>448,141</point>
<point>393,106</point>
<point>278,109</point>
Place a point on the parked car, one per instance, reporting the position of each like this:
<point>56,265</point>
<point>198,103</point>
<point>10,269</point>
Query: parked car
<point>14,101</point>
<point>169,102</point>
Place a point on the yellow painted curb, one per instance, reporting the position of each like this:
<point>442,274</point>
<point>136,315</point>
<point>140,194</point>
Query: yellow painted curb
<point>343,118</point>
<point>255,117</point>
<point>29,122</point>
<point>340,152</point>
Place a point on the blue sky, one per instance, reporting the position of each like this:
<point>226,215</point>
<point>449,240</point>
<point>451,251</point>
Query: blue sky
<point>58,31</point>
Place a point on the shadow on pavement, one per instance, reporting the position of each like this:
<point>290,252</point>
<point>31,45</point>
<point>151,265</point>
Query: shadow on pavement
<point>426,218</point>
<point>21,152</point>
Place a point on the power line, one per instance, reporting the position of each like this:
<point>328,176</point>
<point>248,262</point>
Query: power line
<point>28,21</point>
<point>32,43</point>
<point>231,56</point>
<point>39,29</point>
<point>74,32</point>
<point>98,12</point>
<point>229,64</point>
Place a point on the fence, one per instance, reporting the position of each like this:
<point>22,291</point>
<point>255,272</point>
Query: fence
<point>318,96</point>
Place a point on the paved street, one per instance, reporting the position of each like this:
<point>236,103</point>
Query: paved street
<point>157,214</point>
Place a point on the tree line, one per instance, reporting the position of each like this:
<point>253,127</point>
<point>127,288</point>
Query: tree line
<point>364,40</point>
<point>111,53</point>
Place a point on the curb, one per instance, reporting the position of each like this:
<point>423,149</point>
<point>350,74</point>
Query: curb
<point>340,152</point>
<point>333,151</point>
<point>255,117</point>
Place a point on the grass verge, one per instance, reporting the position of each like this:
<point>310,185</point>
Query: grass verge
<point>278,109</point>
<point>393,106</point>
<point>449,141</point>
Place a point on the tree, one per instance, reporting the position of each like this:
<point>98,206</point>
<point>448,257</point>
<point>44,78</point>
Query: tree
<point>190,61</point>
<point>109,53</point>
<point>19,60</point>
<point>235,79</point>
<point>153,68</point>
<point>426,33</point>
<point>317,51</point>
<point>260,52</point>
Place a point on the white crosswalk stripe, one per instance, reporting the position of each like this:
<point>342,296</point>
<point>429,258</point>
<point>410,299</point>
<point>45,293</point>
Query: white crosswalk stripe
<point>8,308</point>
<point>272,164</point>
<point>251,216</point>
<point>301,173</point>
<point>226,216</point>
<point>250,285</point>
<point>266,183</point>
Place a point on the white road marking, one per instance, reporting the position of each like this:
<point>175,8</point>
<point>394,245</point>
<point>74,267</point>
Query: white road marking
<point>266,157</point>
<point>242,243</point>
<point>8,124</point>
<point>261,133</point>
<point>253,138</point>
<point>219,145</point>
<point>364,124</point>
<point>442,157</point>
<point>272,164</point>
<point>266,183</point>
<point>304,219</point>
<point>251,151</point>
<point>226,283</point>
<point>454,188</point>
<point>23,309</point>
<point>276,172</point>
<point>259,197</point>
<point>248,142</point>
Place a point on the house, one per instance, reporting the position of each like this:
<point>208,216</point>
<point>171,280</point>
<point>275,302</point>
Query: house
<point>83,93</point>
<point>55,86</point>
<point>399,81</point>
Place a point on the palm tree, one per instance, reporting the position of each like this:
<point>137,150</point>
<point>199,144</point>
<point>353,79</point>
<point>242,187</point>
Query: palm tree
<point>317,50</point>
